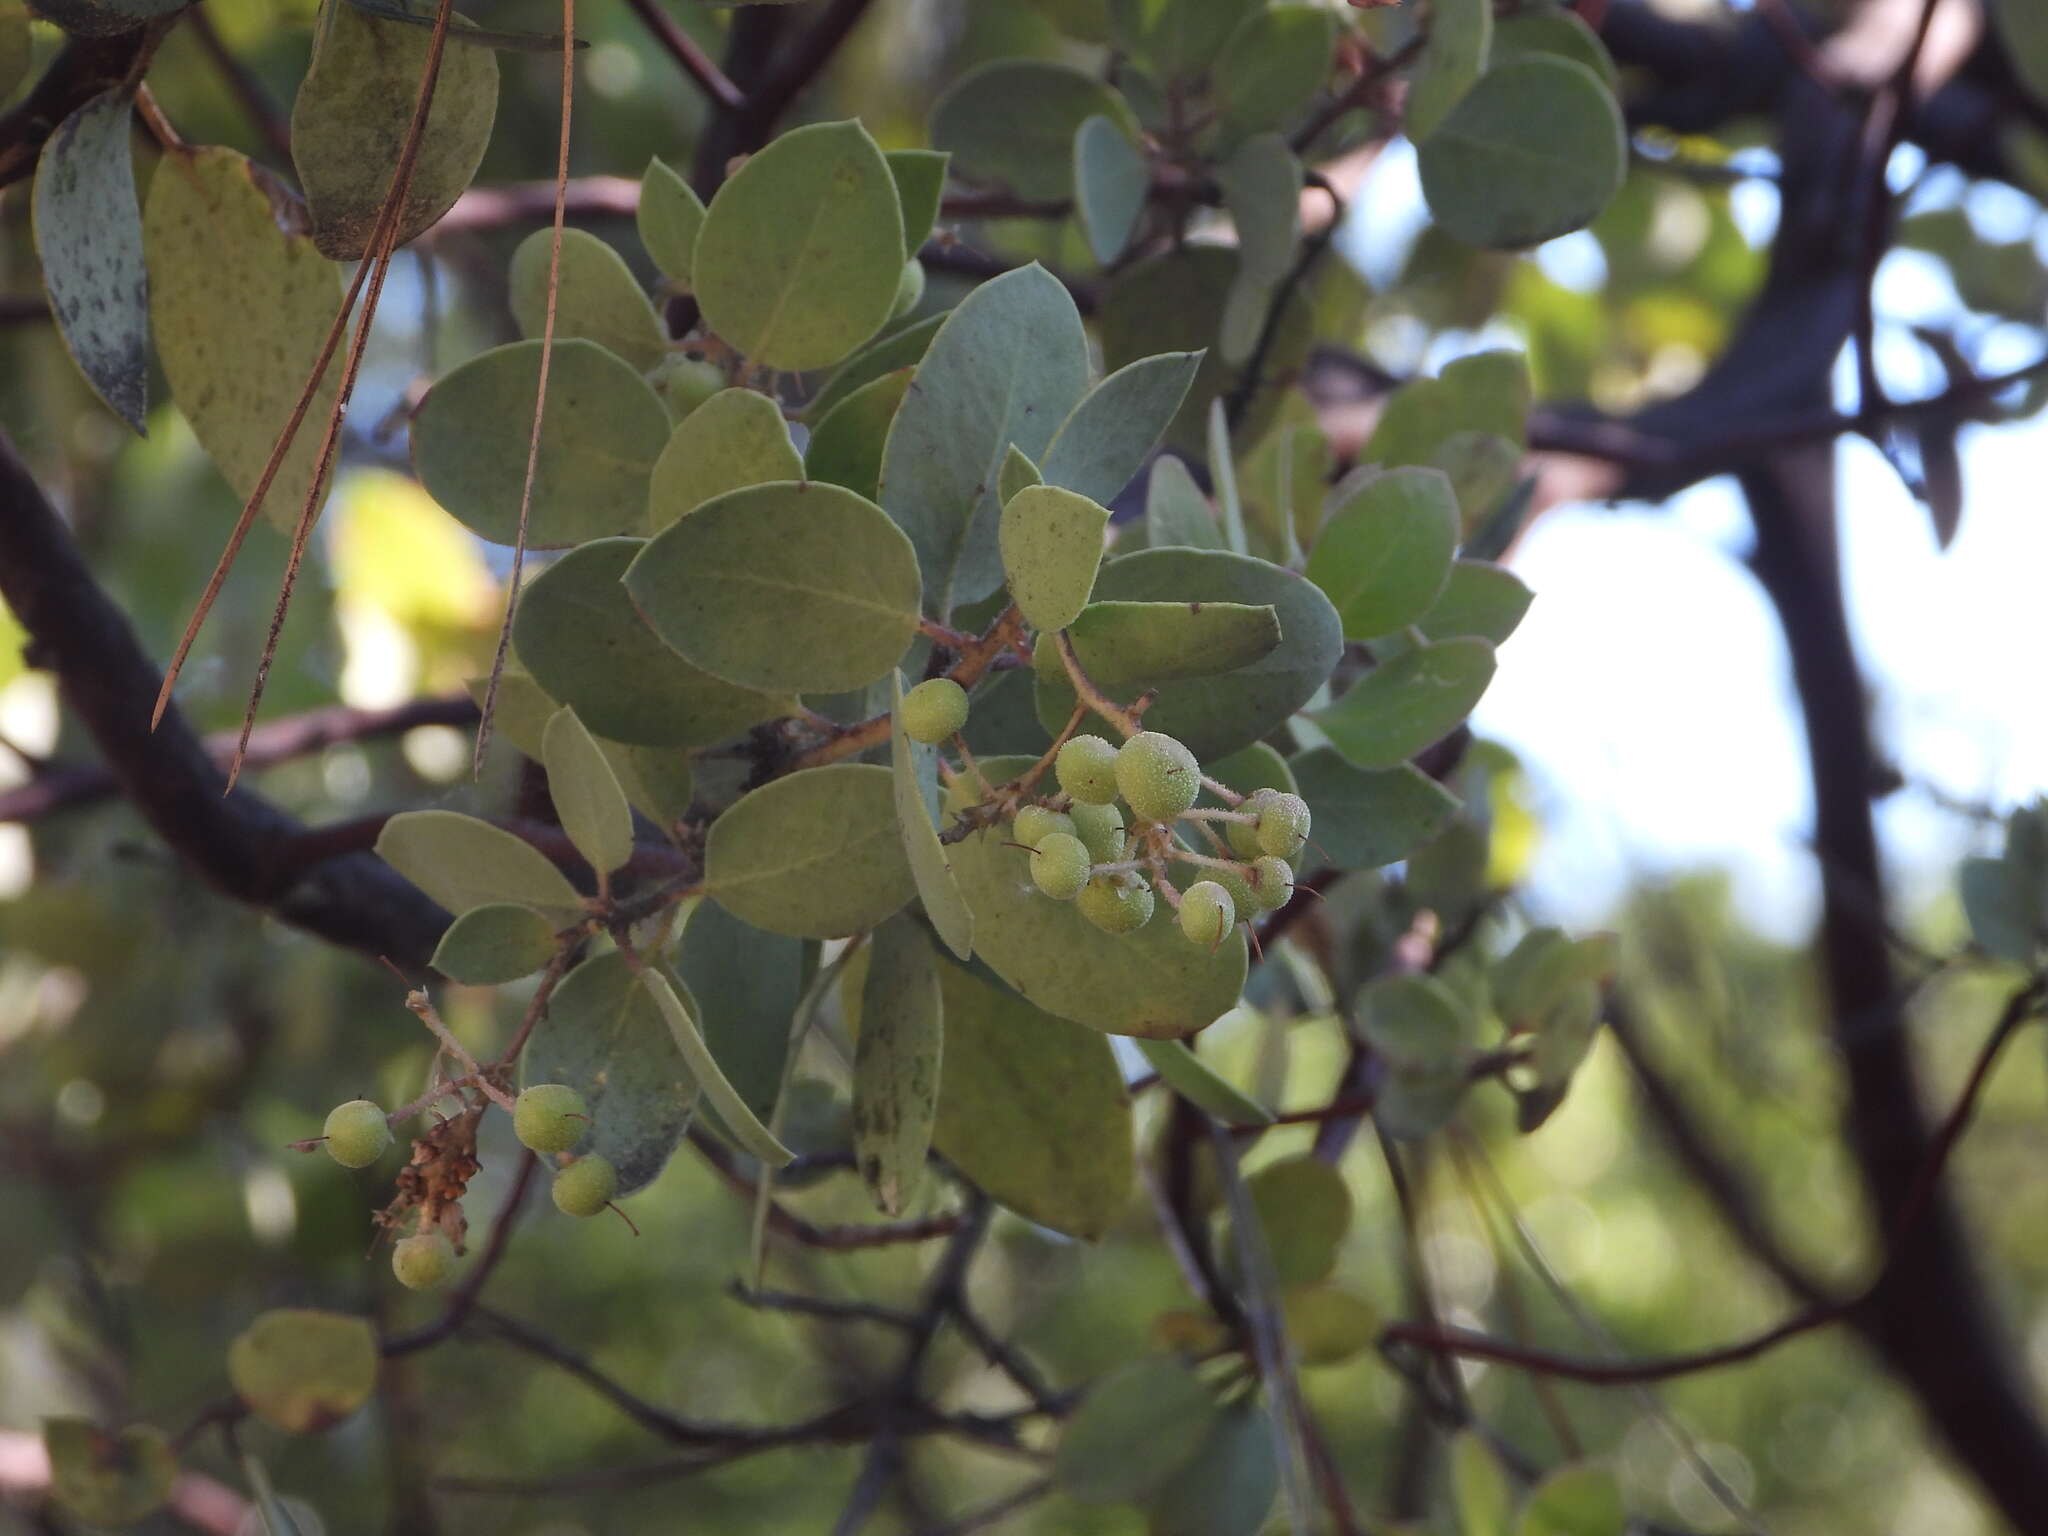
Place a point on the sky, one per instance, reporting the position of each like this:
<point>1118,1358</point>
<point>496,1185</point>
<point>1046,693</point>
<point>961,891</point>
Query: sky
<point>1648,692</point>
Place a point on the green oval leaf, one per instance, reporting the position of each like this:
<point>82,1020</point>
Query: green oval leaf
<point>498,942</point>
<point>1481,599</point>
<point>1262,192</point>
<point>1546,29</point>
<point>1177,39</point>
<point>597,298</point>
<point>1134,1431</point>
<point>464,863</point>
<point>736,438</point>
<point>899,349</point>
<point>1454,57</point>
<point>846,445</point>
<point>586,645</point>
<point>814,855</point>
<point>1271,68</point>
<point>913,767</point>
<point>1152,983</point>
<point>1176,511</point>
<point>1111,183</point>
<point>668,218</point>
<point>1480,1491</point>
<point>586,794</point>
<point>1003,370</point>
<point>920,176</point>
<point>1194,1080</point>
<point>792,585</point>
<point>1032,1108</point>
<point>1422,1033</point>
<point>745,985</point>
<point>1051,541</point>
<point>1409,703</point>
<point>1215,716</point>
<point>1385,553</point>
<point>88,232</point>
<point>600,436</point>
<point>224,242</point>
<point>802,248</point>
<point>896,1063</point>
<point>109,1479</point>
<point>1486,393</point>
<point>1127,648</point>
<point>750,1133</point>
<point>1327,1326</point>
<point>302,1370</point>
<point>354,113</point>
<point>1109,434</point>
<point>1228,1487</point>
<point>603,1036</point>
<point>1013,122</point>
<point>1369,818</point>
<point>1491,182</point>
<point>1304,1208</point>
<point>1579,1500</point>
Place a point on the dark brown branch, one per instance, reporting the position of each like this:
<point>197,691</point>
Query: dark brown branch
<point>232,841</point>
<point>242,85</point>
<point>66,787</point>
<point>695,62</point>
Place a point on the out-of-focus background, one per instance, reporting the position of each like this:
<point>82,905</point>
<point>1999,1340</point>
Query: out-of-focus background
<point>159,1046</point>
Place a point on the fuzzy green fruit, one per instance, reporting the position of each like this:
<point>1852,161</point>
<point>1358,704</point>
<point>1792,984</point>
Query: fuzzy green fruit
<point>934,710</point>
<point>1101,830</point>
<point>550,1117</point>
<point>1035,822</point>
<point>1115,907</point>
<point>1086,769</point>
<point>586,1186</point>
<point>1059,865</point>
<point>1243,836</point>
<point>422,1261</point>
<point>1272,883</point>
<point>357,1133</point>
<point>1158,776</point>
<point>1207,914</point>
<point>909,289</point>
<point>684,383</point>
<point>1283,825</point>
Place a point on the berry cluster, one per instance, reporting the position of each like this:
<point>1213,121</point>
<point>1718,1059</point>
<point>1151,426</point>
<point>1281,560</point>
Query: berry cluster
<point>548,1118</point>
<point>1084,851</point>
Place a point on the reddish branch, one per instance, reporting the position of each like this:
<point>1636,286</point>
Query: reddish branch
<point>69,786</point>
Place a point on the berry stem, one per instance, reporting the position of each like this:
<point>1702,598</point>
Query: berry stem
<point>1124,719</point>
<point>1205,861</point>
<point>1204,814</point>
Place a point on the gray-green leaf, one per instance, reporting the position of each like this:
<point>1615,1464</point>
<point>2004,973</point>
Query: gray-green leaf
<point>1408,703</point>
<point>1111,183</point>
<point>586,794</point>
<point>464,863</point>
<point>1052,544</point>
<point>88,232</point>
<point>815,855</point>
<point>1384,555</point>
<point>498,942</point>
<point>736,438</point>
<point>791,585</point>
<point>596,297</point>
<point>896,1063</point>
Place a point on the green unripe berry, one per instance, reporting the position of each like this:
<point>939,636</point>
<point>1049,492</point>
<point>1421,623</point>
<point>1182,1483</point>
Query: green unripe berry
<point>685,383</point>
<point>550,1117</point>
<point>934,710</point>
<point>1115,907</point>
<point>1207,914</point>
<point>586,1186</point>
<point>422,1261</point>
<point>1158,776</point>
<point>1059,865</point>
<point>1237,882</point>
<point>909,289</point>
<point>1101,830</point>
<point>1272,883</point>
<point>1035,821</point>
<point>1283,825</point>
<point>357,1133</point>
<point>1243,836</point>
<point>1086,769</point>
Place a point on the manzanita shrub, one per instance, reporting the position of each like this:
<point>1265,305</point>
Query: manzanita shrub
<point>967,688</point>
